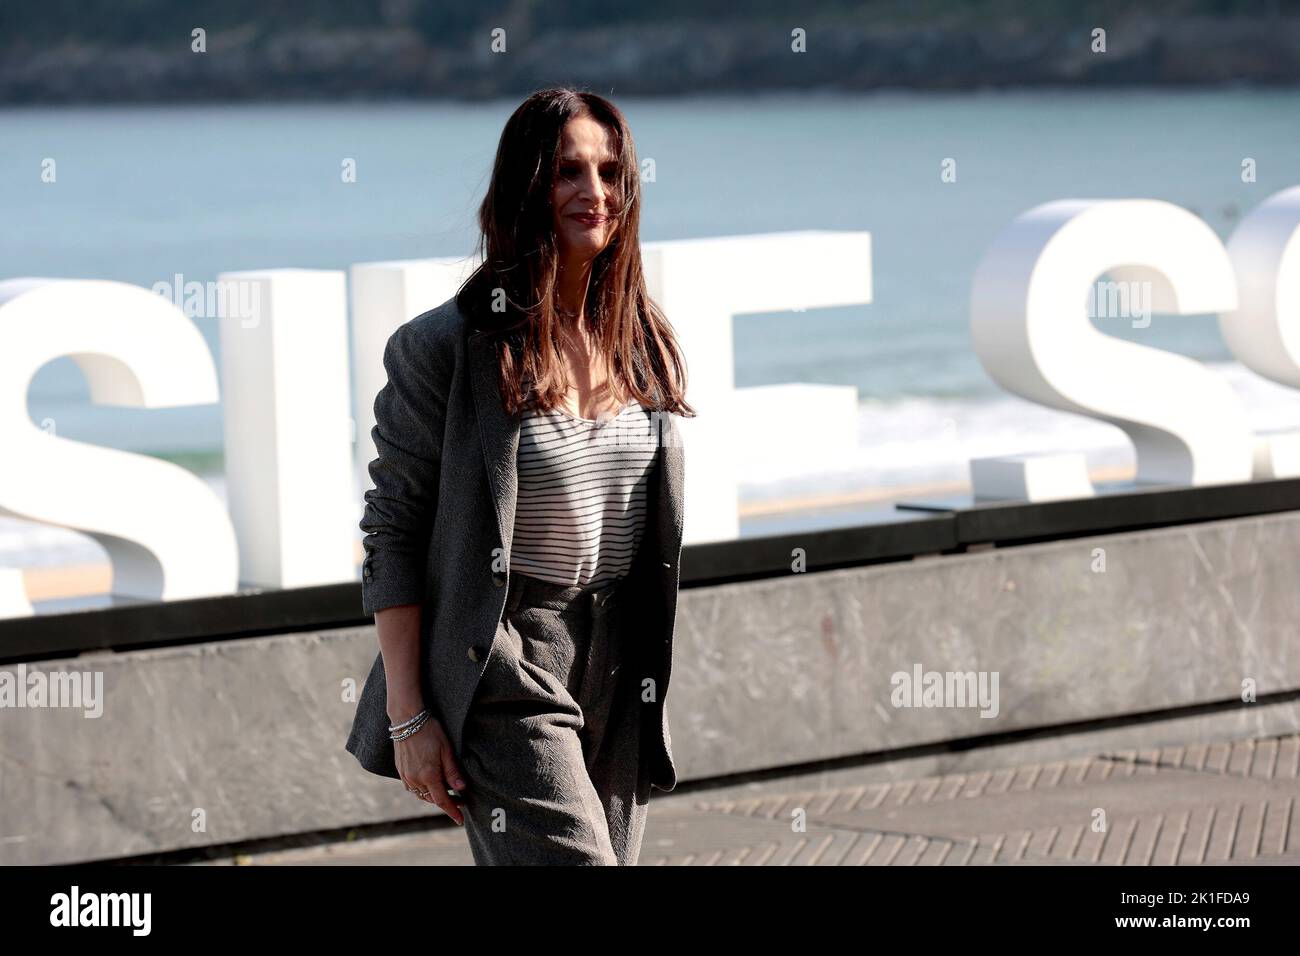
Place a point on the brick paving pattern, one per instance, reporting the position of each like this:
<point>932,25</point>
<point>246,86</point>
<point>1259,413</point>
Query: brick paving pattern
<point>1196,804</point>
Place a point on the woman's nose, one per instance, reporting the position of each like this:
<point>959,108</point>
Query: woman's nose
<point>592,186</point>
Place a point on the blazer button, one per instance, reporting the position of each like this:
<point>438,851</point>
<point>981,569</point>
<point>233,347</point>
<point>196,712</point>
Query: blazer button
<point>473,654</point>
<point>499,578</point>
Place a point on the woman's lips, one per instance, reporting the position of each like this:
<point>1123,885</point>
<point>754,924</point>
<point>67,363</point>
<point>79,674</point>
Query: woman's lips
<point>591,220</point>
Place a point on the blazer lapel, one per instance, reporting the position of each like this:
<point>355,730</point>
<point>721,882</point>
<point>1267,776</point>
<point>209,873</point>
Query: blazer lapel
<point>671,479</point>
<point>498,432</point>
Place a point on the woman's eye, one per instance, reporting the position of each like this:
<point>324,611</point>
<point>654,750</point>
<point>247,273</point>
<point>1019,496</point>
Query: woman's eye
<point>569,172</point>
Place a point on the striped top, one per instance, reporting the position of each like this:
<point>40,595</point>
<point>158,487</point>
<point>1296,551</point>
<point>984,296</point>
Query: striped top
<point>582,494</point>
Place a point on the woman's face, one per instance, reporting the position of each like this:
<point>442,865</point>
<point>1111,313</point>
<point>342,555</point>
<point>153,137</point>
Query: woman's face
<point>587,174</point>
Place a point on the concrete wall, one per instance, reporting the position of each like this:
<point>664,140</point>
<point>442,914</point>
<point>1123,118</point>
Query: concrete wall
<point>217,743</point>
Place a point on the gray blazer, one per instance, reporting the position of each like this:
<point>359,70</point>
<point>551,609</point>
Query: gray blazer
<point>438,526</point>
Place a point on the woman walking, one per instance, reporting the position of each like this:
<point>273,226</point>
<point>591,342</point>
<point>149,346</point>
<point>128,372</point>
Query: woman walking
<point>523,535</point>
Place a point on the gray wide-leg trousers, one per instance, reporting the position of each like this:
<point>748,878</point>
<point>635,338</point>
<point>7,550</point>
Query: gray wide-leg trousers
<point>551,750</point>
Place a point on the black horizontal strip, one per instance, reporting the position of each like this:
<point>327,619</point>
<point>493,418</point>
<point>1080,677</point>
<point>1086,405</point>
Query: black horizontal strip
<point>614,435</point>
<point>552,515</point>
<point>584,492</point>
<point>561,467</point>
<point>524,462</point>
<point>561,521</point>
<point>544,431</point>
<point>574,549</point>
<point>545,538</point>
<point>618,477</point>
<point>566,512</point>
<point>575,490</point>
<point>568,552</point>
<point>583,524</point>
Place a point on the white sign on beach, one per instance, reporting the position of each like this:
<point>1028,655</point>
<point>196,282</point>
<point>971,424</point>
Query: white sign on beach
<point>295,478</point>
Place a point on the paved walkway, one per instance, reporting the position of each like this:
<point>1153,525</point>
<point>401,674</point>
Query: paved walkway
<point>1235,803</point>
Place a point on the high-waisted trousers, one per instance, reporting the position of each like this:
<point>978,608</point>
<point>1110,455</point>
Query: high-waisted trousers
<point>551,750</point>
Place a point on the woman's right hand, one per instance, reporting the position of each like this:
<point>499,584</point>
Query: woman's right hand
<point>425,762</point>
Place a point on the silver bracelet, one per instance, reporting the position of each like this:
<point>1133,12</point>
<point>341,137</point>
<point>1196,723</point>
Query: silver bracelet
<point>407,723</point>
<point>410,730</point>
<point>404,734</point>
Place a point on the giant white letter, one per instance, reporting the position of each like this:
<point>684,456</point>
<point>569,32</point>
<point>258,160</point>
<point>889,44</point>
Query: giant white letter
<point>166,533</point>
<point>1032,334</point>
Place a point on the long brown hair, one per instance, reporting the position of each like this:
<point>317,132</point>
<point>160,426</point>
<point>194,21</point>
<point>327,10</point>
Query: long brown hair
<point>512,292</point>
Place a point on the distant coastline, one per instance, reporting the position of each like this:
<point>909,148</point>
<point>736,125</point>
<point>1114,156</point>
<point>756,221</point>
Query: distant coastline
<point>657,56</point>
